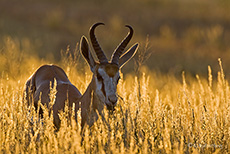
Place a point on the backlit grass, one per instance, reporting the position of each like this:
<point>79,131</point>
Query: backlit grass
<point>155,114</point>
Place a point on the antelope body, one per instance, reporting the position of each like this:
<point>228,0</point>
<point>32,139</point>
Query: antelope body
<point>102,90</point>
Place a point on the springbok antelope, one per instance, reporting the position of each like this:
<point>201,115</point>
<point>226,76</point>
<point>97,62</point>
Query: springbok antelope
<point>102,90</point>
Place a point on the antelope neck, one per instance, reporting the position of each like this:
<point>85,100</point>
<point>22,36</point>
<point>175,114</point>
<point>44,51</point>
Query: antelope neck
<point>89,104</point>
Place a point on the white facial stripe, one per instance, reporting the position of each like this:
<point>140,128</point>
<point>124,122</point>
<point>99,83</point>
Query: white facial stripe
<point>110,86</point>
<point>102,73</point>
<point>99,92</point>
<point>111,80</point>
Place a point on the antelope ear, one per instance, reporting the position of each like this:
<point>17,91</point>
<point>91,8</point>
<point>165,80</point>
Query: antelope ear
<point>128,55</point>
<point>84,46</point>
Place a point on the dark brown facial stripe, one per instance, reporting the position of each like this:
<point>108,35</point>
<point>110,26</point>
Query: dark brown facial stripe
<point>103,88</point>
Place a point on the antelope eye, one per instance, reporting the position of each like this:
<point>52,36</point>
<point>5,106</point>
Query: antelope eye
<point>99,77</point>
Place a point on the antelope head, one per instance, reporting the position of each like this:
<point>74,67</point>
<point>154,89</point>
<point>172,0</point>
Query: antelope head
<point>106,74</point>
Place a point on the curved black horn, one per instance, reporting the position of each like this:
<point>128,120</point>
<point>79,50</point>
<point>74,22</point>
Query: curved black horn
<point>118,51</point>
<point>100,54</point>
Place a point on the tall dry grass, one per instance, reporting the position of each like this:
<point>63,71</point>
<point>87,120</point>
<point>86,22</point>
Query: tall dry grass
<point>155,114</point>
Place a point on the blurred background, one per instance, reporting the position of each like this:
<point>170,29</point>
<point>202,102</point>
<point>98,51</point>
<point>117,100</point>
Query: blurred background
<point>176,35</point>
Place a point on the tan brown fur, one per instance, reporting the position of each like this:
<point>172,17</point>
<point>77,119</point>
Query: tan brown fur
<point>101,91</point>
<point>111,69</point>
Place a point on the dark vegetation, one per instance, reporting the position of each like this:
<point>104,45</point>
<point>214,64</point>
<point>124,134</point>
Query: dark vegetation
<point>183,35</point>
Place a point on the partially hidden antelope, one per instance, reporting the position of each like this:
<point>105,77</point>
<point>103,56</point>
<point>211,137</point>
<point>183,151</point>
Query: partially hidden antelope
<point>101,91</point>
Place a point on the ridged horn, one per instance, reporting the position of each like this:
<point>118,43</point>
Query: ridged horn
<point>119,50</point>
<point>100,54</point>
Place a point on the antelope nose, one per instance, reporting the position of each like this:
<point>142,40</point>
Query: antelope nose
<point>113,99</point>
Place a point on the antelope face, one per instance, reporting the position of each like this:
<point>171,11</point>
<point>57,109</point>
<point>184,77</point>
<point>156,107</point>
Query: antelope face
<point>106,73</point>
<point>107,77</point>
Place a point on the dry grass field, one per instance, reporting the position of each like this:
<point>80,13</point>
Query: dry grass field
<point>174,97</point>
<point>156,113</point>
